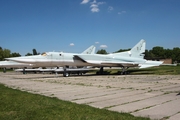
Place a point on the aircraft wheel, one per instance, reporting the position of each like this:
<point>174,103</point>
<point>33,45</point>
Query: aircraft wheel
<point>4,70</point>
<point>66,74</point>
<point>123,73</point>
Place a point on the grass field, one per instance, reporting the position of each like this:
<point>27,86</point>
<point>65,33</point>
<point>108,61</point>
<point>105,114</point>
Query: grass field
<point>161,70</point>
<point>19,105</point>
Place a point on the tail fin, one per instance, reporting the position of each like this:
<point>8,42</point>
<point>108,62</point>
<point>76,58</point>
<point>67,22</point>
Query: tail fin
<point>90,50</point>
<point>138,49</point>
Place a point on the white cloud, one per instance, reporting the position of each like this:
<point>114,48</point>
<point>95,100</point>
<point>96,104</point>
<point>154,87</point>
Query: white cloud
<point>71,44</point>
<point>84,1</point>
<point>110,8</point>
<point>94,2</point>
<point>122,12</point>
<point>94,5</point>
<point>95,9</point>
<point>96,42</point>
<point>103,46</point>
<point>100,3</point>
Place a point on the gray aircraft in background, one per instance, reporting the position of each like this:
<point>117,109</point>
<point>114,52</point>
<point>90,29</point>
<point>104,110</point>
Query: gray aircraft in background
<point>131,58</point>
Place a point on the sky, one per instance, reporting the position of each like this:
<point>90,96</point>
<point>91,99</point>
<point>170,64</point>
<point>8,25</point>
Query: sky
<point>74,25</point>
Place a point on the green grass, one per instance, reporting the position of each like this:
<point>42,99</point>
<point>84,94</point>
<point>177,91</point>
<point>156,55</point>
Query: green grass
<point>19,105</point>
<point>7,70</point>
<point>161,70</point>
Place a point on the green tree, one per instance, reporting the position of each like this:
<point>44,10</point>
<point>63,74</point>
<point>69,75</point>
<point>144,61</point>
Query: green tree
<point>176,54</point>
<point>1,54</point>
<point>15,54</point>
<point>6,53</point>
<point>28,54</point>
<point>151,55</point>
<point>34,52</point>
<point>102,51</point>
<point>168,53</point>
<point>158,51</point>
<point>122,50</point>
<point>147,56</point>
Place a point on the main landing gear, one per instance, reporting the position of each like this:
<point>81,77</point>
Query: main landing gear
<point>102,72</point>
<point>65,74</point>
<point>24,70</point>
<point>124,71</point>
<point>4,70</point>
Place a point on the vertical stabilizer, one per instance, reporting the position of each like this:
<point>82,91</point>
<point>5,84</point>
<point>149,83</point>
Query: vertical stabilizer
<point>90,50</point>
<point>138,49</point>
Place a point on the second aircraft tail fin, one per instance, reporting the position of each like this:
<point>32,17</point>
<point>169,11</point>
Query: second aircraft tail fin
<point>90,50</point>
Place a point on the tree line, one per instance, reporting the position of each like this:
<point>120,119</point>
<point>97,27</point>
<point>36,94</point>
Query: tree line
<point>155,53</point>
<point>6,53</point>
<point>161,53</point>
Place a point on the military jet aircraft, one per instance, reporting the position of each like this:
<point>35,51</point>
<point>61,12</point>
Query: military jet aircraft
<point>16,64</point>
<point>131,58</point>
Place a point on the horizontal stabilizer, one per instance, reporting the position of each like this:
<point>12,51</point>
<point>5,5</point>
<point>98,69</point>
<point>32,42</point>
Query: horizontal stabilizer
<point>150,63</point>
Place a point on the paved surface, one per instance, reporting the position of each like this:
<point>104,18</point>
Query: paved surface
<point>141,95</point>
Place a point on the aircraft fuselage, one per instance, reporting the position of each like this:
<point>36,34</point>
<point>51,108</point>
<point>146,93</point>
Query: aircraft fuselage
<point>69,59</point>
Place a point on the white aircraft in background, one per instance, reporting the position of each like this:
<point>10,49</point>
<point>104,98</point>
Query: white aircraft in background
<point>131,58</point>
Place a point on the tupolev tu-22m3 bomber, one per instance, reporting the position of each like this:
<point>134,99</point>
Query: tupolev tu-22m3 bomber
<point>131,58</point>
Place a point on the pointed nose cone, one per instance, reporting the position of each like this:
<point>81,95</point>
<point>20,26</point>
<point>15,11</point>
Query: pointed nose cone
<point>22,59</point>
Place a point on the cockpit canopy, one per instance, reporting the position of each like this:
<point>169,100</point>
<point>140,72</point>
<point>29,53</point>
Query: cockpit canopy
<point>50,53</point>
<point>44,54</point>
